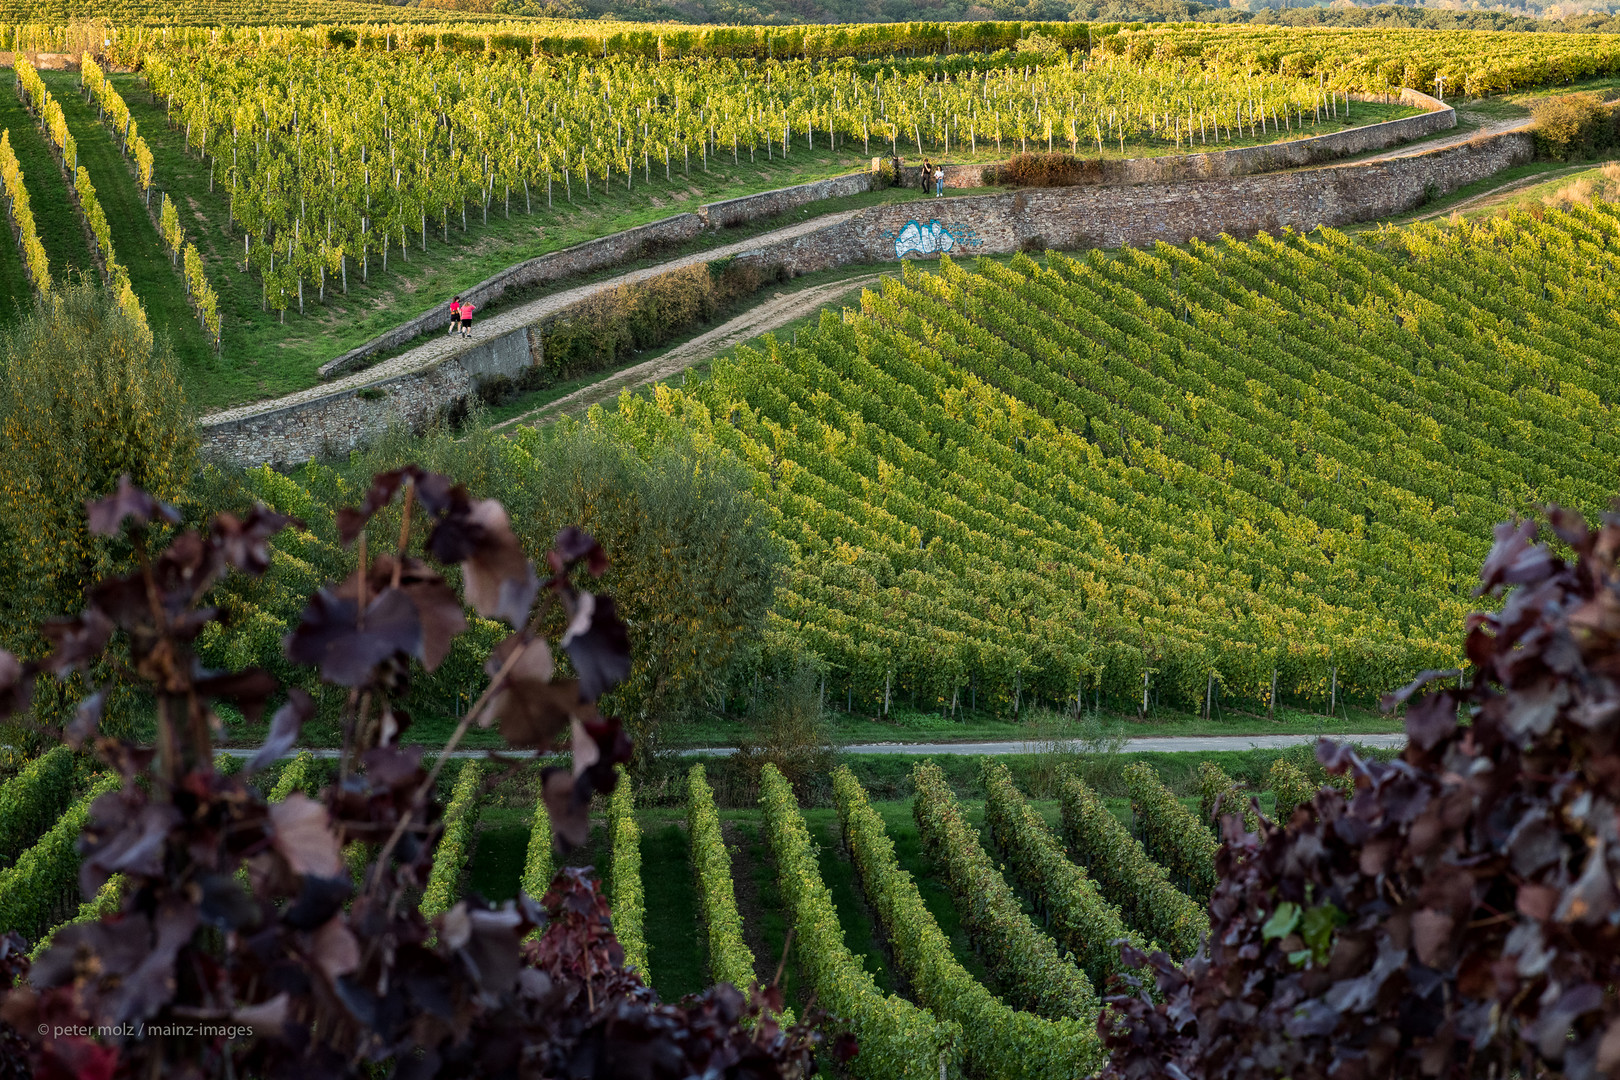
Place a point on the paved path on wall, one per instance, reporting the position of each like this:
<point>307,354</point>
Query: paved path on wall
<point>1162,744</point>
<point>516,318</point>
<point>768,315</point>
<point>1496,127</point>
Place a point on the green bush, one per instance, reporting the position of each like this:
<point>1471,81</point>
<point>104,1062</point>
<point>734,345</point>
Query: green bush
<point>43,884</point>
<point>1076,912</point>
<point>999,1042</point>
<point>898,1041</point>
<point>1219,793</point>
<point>538,867</point>
<point>1026,964</point>
<point>1573,125</point>
<point>1170,833</point>
<point>628,900</point>
<point>1125,874</point>
<point>450,857</point>
<point>32,800</point>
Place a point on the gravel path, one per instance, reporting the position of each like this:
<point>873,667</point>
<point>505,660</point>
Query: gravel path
<point>1495,127</point>
<point>445,346</point>
<point>781,309</point>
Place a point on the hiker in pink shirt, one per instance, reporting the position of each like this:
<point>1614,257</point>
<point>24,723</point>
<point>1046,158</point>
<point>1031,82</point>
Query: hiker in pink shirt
<point>467,310</point>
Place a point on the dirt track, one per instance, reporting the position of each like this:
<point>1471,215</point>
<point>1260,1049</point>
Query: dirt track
<point>779,310</point>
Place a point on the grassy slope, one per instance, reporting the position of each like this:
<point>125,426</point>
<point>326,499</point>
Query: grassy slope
<point>54,215</point>
<point>135,240</point>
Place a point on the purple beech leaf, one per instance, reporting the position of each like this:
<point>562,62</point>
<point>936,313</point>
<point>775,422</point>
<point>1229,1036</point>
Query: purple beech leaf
<point>285,726</point>
<point>303,835</point>
<point>76,642</point>
<point>16,685</point>
<point>107,515</point>
<point>86,720</point>
<point>598,644</point>
<point>330,638</point>
<point>573,544</point>
<point>244,543</point>
<point>248,689</point>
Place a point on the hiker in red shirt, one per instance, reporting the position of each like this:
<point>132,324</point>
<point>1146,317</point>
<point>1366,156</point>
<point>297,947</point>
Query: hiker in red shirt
<point>455,314</point>
<point>466,318</point>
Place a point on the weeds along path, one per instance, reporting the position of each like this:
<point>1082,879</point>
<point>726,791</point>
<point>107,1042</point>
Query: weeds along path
<point>516,318</point>
<point>770,314</point>
<point>54,214</point>
<point>156,281</point>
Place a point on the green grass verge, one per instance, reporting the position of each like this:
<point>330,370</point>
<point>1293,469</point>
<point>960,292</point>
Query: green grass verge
<point>675,946</point>
<point>54,213</point>
<point>135,240</point>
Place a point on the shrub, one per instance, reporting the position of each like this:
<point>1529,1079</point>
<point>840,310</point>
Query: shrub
<point>999,1042</point>
<point>1169,832</point>
<point>537,863</point>
<point>898,1040</point>
<point>1125,874</point>
<point>1573,125</point>
<point>450,856</point>
<point>1078,916</point>
<point>1024,961</point>
<point>629,901</point>
<point>105,902</point>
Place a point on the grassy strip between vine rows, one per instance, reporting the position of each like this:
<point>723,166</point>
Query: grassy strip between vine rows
<point>1026,964</point>
<point>1172,836</point>
<point>45,878</point>
<point>1078,916</point>
<point>898,1040</point>
<point>31,800</point>
<point>730,958</point>
<point>460,821</point>
<point>999,1041</point>
<point>629,901</point>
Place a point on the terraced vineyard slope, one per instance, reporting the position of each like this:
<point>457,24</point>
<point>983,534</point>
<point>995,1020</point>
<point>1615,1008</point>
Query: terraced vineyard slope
<point>1217,471</point>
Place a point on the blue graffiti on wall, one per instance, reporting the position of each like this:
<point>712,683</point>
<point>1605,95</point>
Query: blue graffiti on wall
<point>931,239</point>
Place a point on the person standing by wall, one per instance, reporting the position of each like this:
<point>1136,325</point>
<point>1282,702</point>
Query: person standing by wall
<point>939,180</point>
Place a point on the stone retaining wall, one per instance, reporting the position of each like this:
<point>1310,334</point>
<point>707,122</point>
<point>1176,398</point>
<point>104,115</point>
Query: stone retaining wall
<point>1063,218</point>
<point>1239,161</point>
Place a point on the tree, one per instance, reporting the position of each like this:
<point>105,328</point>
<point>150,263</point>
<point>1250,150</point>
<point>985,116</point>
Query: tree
<point>85,396</point>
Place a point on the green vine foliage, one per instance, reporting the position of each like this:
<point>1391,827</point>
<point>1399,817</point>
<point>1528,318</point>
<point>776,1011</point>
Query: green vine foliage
<point>105,902</point>
<point>1170,833</point>
<point>1291,787</point>
<point>1219,793</point>
<point>898,1040</point>
<point>999,1042</point>
<point>629,902</point>
<point>43,884</point>
<point>1076,913</point>
<point>730,958</point>
<point>1027,965</point>
<point>1121,868</point>
<point>537,863</point>
<point>450,857</point>
<point>294,777</point>
<point>31,800</point>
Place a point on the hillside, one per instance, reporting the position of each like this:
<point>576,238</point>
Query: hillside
<point>1178,472</point>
